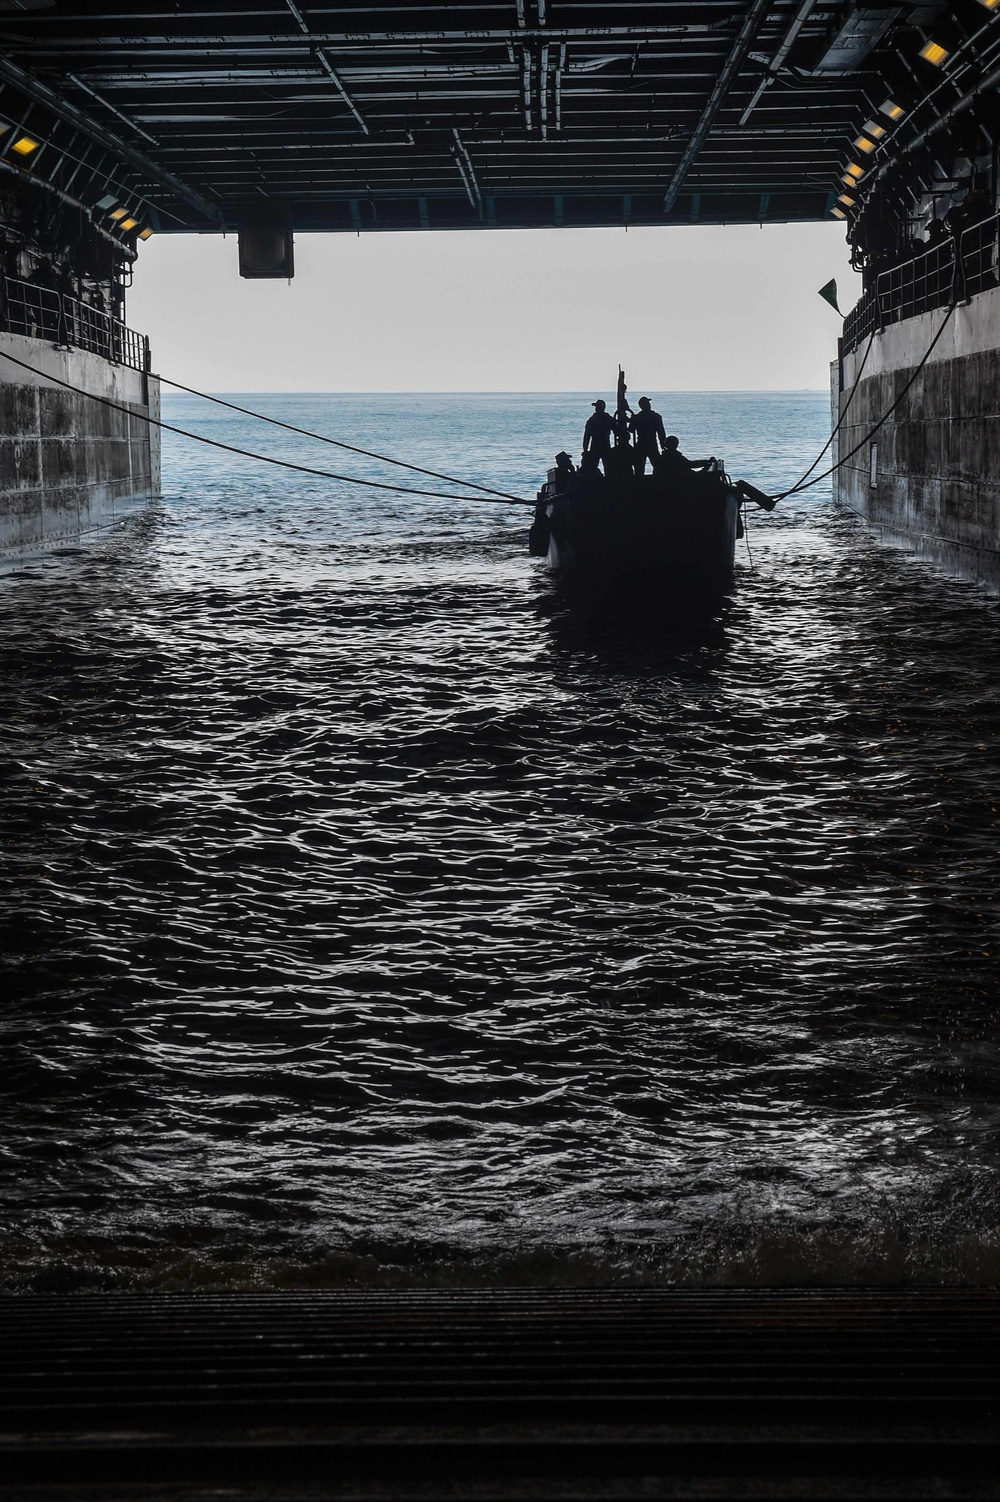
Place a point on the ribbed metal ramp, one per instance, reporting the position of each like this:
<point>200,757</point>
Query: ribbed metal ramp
<point>480,1395</point>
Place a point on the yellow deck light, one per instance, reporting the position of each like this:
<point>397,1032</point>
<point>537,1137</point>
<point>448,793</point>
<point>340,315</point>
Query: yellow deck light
<point>144,234</point>
<point>119,213</point>
<point>128,224</point>
<point>863,144</point>
<point>24,145</point>
<point>846,198</point>
<point>892,109</point>
<point>838,213</point>
<point>934,53</point>
<point>874,129</point>
<point>990,4</point>
<point>855,171</point>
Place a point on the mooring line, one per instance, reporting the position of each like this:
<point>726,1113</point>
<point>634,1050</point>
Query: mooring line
<point>486,493</point>
<point>337,442</point>
<point>498,499</point>
<point>836,429</point>
<point>795,489</point>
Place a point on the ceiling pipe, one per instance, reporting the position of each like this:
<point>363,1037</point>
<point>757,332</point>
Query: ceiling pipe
<point>73,78</point>
<point>467,172</point>
<point>744,41</point>
<point>335,79</point>
<point>791,37</point>
<point>329,69</point>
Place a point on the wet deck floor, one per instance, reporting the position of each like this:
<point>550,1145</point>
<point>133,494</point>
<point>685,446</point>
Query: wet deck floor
<point>505,1394</point>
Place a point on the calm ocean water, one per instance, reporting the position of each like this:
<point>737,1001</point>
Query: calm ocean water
<point>375,914</point>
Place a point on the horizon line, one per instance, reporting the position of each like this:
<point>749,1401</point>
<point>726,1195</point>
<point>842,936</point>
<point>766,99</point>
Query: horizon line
<point>499,391</point>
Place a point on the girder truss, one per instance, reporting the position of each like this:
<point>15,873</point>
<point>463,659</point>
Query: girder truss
<point>506,112</point>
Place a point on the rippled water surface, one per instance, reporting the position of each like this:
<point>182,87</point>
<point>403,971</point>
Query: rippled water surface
<point>375,913</point>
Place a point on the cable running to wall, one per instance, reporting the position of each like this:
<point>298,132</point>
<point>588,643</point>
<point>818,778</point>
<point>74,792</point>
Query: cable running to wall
<point>847,407</point>
<point>499,499</point>
<point>795,489</point>
<point>338,442</point>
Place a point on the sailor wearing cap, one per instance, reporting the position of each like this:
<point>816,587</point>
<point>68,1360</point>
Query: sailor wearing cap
<point>563,472</point>
<point>650,437</point>
<point>597,436</point>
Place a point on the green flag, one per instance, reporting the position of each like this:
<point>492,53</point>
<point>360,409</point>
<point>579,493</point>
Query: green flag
<point>829,294</point>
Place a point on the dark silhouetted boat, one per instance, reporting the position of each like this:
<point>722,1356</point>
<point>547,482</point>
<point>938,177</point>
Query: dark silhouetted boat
<point>677,527</point>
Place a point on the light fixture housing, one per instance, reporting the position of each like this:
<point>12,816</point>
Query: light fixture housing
<point>892,109</point>
<point>25,145</point>
<point>874,129</point>
<point>144,234</point>
<point>846,198</point>
<point>863,144</point>
<point>933,52</point>
<point>838,213</point>
<point>129,223</point>
<point>855,172</point>
<point>990,4</point>
<point>107,202</point>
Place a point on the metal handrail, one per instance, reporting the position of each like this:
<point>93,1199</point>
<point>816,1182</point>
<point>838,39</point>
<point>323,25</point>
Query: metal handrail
<point>956,269</point>
<point>43,313</point>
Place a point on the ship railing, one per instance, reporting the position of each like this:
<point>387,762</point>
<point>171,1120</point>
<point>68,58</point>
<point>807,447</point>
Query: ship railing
<point>980,263</point>
<point>952,271</point>
<point>860,322</point>
<point>31,310</point>
<point>43,313</point>
<point>917,286</point>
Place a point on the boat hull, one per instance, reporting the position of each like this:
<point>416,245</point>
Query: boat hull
<point>640,530</point>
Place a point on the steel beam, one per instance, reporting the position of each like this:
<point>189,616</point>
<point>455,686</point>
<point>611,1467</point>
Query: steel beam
<point>42,94</point>
<point>444,107</point>
<point>599,35</point>
<point>790,38</point>
<point>467,173</point>
<point>744,41</point>
<point>114,110</point>
<point>328,68</point>
<point>334,78</point>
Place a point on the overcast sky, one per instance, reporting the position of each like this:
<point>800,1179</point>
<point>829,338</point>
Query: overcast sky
<point>682,308</point>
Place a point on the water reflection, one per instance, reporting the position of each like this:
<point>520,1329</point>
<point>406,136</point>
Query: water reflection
<point>377,914</point>
<point>634,634</point>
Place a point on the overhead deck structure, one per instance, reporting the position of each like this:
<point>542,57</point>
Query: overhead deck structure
<point>265,117</point>
<point>207,114</point>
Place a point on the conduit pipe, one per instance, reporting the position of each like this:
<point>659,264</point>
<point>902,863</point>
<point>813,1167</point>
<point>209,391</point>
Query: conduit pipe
<point>791,37</point>
<point>751,25</point>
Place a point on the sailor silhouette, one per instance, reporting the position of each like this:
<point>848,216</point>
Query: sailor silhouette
<point>650,436</point>
<point>597,436</point>
<point>677,466</point>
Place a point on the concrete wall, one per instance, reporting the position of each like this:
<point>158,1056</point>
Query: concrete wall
<point>929,480</point>
<point>69,465</point>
